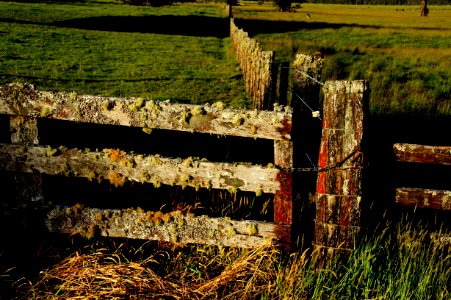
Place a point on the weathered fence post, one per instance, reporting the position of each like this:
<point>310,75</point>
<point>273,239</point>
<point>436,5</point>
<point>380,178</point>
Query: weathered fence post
<point>282,82</point>
<point>283,199</point>
<point>339,187</point>
<point>305,76</point>
<point>307,73</point>
<point>24,131</point>
<point>305,100</point>
<point>229,9</point>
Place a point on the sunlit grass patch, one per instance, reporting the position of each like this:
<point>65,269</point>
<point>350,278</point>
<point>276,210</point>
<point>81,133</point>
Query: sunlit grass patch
<point>121,50</point>
<point>404,57</point>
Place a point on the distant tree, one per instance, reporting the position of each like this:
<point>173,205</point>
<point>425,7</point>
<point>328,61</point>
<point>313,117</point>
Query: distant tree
<point>284,5</point>
<point>424,8</point>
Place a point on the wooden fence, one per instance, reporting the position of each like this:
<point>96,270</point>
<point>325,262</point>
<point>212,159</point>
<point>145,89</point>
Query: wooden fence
<point>26,106</point>
<point>258,67</point>
<point>423,154</point>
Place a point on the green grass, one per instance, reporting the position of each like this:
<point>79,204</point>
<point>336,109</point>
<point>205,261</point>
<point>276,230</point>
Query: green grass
<point>50,45</point>
<point>397,261</point>
<point>406,58</point>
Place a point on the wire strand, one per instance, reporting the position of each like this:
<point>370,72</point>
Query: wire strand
<point>314,113</point>
<point>306,75</point>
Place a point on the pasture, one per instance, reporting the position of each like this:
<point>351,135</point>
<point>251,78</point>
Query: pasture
<point>107,48</point>
<point>111,49</point>
<point>405,57</point>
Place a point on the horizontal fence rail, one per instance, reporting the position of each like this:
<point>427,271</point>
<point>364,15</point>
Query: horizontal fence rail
<point>25,106</point>
<point>24,100</point>
<point>118,167</point>
<point>423,198</point>
<point>422,153</point>
<point>172,227</point>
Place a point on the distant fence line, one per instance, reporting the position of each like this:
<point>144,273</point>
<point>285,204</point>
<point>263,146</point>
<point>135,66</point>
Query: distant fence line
<point>257,67</point>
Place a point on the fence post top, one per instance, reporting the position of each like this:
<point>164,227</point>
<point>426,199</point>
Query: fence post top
<point>354,86</point>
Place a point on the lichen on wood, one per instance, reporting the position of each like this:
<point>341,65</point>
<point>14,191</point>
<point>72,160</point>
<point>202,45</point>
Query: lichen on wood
<point>155,225</point>
<point>118,167</point>
<point>24,99</point>
<point>422,153</point>
<point>339,186</point>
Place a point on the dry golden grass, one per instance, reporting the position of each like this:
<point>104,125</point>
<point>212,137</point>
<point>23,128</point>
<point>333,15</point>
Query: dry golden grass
<point>393,262</point>
<point>106,276</point>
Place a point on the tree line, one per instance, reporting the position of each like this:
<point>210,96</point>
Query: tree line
<point>286,4</point>
<point>378,2</point>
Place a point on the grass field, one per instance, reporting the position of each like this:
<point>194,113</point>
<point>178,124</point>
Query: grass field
<point>406,58</point>
<point>107,48</point>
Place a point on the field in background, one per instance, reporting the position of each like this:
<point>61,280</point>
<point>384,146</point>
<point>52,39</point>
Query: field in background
<point>405,57</point>
<point>177,52</point>
<point>107,48</point>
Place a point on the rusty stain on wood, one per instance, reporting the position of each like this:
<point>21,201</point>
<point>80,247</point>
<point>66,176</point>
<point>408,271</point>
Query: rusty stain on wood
<point>339,188</point>
<point>424,198</point>
<point>119,166</point>
<point>23,99</point>
<point>422,153</point>
<point>171,227</point>
<point>283,198</point>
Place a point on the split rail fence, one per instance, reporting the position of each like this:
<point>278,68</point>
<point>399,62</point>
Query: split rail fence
<point>25,106</point>
<point>423,154</point>
<point>338,206</point>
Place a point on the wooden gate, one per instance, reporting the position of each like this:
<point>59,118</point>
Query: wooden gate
<point>26,106</point>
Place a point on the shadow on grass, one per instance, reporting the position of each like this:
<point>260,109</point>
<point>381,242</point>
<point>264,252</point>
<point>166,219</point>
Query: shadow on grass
<point>37,80</point>
<point>175,25</point>
<point>384,174</point>
<point>60,2</point>
<point>259,26</point>
<point>172,25</point>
